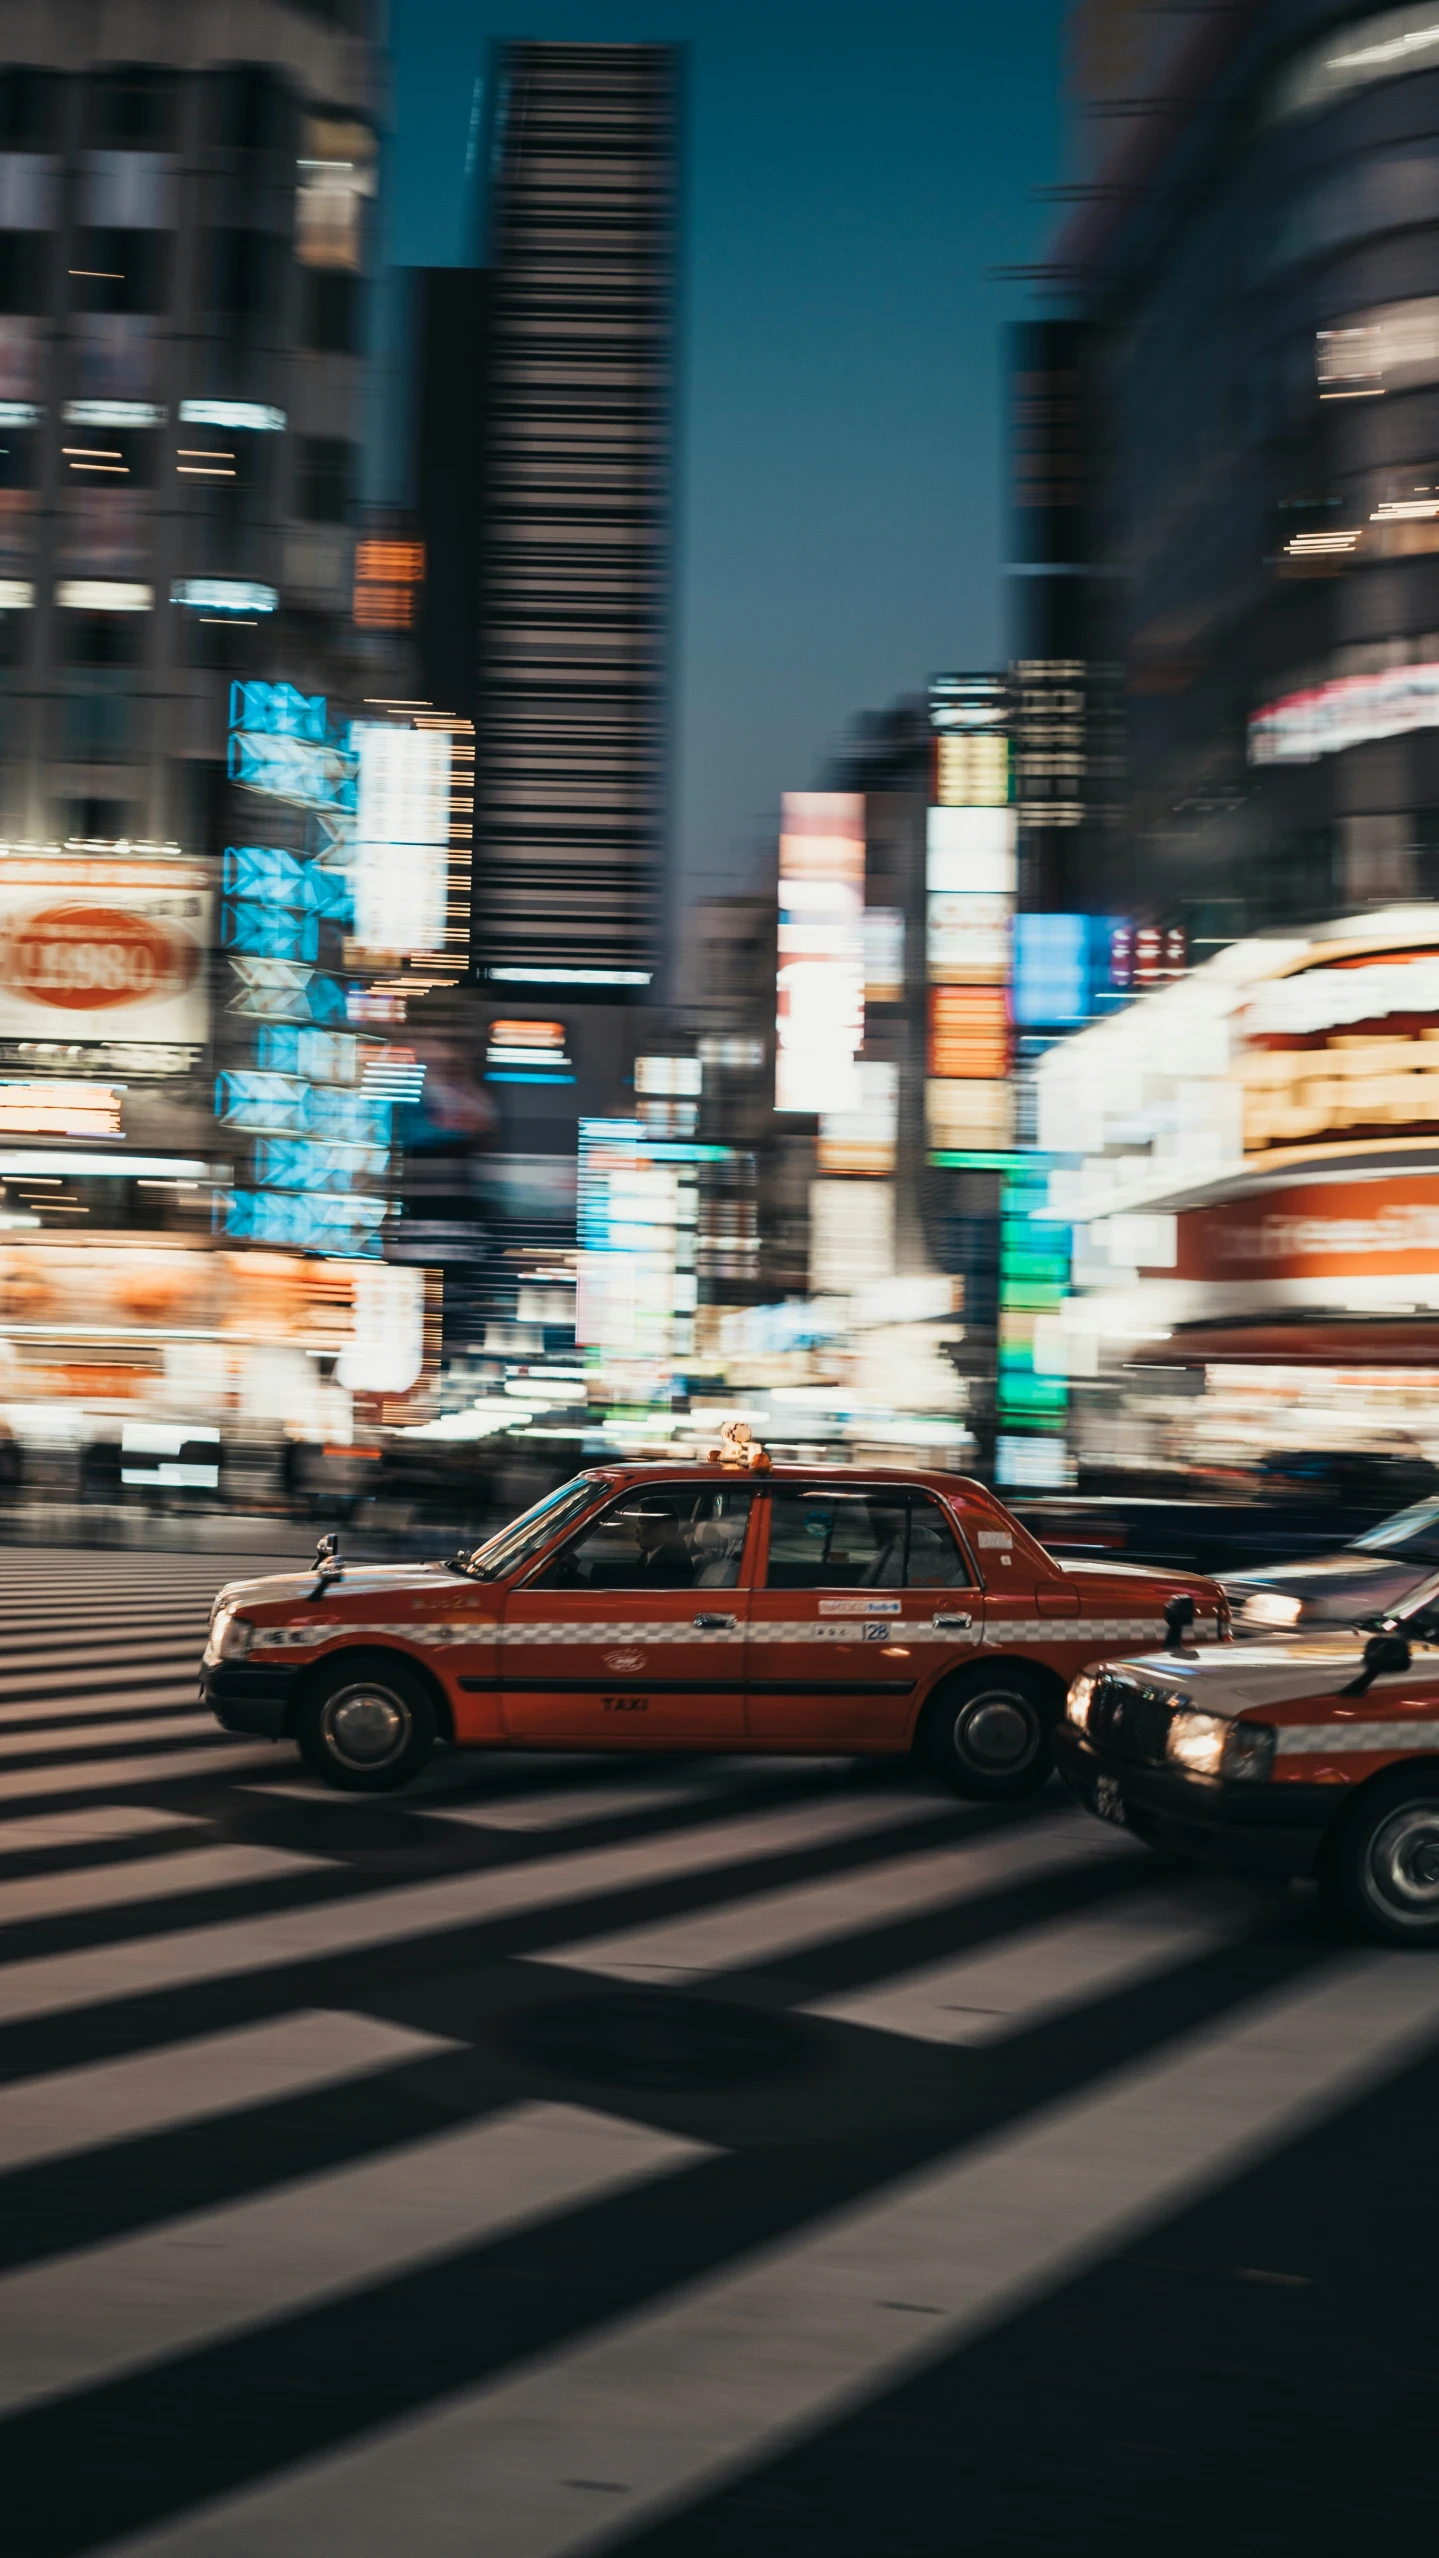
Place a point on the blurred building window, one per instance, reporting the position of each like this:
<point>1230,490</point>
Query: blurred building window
<point>96,723</point>
<point>249,108</point>
<point>333,309</point>
<point>132,109</point>
<point>104,639</point>
<point>1383,47</point>
<point>26,260</point>
<point>27,108</point>
<point>99,457</point>
<point>243,267</point>
<point>337,177</point>
<point>17,457</point>
<point>29,191</point>
<point>121,270</point>
<point>326,479</point>
<point>388,579</point>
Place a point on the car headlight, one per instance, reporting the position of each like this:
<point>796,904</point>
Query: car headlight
<point>230,1636</point>
<point>1196,1741</point>
<point>1077,1703</point>
<point>1271,1607</point>
<point>1211,1745</point>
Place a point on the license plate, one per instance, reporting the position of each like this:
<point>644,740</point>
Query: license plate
<point>1108,1801</point>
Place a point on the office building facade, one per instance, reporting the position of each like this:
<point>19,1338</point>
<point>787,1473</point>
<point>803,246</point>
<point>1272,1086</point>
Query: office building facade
<point>1252,342</point>
<point>574,622</point>
<point>184,238</point>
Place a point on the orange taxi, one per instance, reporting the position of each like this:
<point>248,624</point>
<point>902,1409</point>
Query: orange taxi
<point>1307,1754</point>
<point>693,1606</point>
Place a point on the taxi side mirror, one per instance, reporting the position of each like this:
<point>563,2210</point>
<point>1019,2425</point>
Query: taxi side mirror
<point>1178,1616</point>
<point>1382,1652</point>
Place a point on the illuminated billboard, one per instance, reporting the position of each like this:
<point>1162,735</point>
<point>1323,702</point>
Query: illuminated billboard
<point>969,940</point>
<point>971,851</point>
<point>971,771</point>
<point>820,1014</point>
<point>104,950</point>
<point>402,837</point>
<point>864,1140</point>
<point>638,1214</point>
<point>1350,711</point>
<point>969,1031</point>
<point>1343,1050</point>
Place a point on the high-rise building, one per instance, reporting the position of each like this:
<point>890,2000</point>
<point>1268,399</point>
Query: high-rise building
<point>1230,423</point>
<point>183,249</point>
<point>187,201</point>
<point>574,621</point>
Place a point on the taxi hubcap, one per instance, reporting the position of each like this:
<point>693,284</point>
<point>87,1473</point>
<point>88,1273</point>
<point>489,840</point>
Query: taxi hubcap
<point>1404,1860</point>
<point>366,1727</point>
<point>996,1733</point>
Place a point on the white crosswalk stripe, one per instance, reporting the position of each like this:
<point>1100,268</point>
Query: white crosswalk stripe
<point>106,2310</point>
<point>150,1878</point>
<point>564,1811</point>
<point>84,2109</point>
<point>43,1740</point>
<point>96,1776</point>
<point>97,1825</point>
<point>774,1924</point>
<point>54,1982</point>
<point>1037,1974</point>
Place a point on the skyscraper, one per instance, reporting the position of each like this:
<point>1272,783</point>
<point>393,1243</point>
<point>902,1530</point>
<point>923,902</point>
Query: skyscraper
<point>574,608</point>
<point>183,247</point>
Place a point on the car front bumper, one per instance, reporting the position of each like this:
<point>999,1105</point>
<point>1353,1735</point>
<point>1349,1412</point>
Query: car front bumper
<point>243,1699</point>
<point>1251,1829</point>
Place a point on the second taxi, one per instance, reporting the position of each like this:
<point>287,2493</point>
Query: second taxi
<point>698,1607</point>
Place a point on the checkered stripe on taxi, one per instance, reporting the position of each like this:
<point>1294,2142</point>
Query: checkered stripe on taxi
<point>440,1633</point>
<point>428,1631</point>
<point>1329,1740</point>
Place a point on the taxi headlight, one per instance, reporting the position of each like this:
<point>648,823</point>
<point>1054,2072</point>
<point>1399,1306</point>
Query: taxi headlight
<point>1271,1607</point>
<point>1210,1745</point>
<point>1077,1703</point>
<point>230,1636</point>
<point>1196,1742</point>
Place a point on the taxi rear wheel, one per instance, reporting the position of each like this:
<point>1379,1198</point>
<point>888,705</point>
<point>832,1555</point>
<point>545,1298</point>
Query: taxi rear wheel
<point>1381,1870</point>
<point>368,1728</point>
<point>988,1733</point>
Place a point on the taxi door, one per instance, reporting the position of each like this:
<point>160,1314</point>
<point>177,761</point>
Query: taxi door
<point>862,1590</point>
<point>632,1636</point>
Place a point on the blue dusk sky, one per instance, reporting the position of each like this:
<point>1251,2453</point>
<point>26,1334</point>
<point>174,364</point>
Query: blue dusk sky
<point>852,173</point>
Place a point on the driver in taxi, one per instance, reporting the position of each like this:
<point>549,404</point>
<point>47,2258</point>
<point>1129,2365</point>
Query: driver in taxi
<point>665,1560</point>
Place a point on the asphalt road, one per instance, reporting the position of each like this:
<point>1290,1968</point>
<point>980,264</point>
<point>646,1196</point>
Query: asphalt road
<point>702,2159</point>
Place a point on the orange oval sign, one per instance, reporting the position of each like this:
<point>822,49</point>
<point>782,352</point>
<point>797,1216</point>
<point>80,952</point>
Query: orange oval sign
<point>92,958</point>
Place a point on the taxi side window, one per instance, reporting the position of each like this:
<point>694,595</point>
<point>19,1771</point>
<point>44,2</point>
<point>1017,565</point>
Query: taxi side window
<point>674,1538</point>
<point>936,1558</point>
<point>879,1540</point>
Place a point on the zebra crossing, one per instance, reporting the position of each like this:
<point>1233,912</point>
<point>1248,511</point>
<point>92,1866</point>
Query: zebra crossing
<point>537,2162</point>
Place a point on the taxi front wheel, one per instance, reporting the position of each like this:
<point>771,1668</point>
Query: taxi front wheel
<point>368,1728</point>
<point>1380,1870</point>
<point>987,1733</point>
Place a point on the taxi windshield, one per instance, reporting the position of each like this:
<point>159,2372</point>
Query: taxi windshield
<point>1418,1617</point>
<point>1413,1533</point>
<point>533,1528</point>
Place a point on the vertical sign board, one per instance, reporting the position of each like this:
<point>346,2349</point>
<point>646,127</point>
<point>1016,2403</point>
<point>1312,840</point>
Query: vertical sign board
<point>402,837</point>
<point>820,1015</point>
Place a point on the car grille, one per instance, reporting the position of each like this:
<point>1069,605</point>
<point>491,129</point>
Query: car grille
<point>1130,1721</point>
